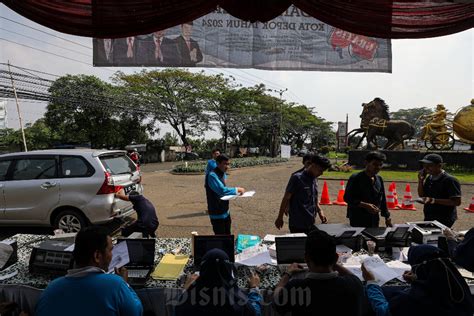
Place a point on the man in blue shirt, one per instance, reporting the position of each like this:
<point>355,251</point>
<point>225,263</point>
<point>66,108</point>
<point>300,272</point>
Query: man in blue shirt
<point>215,189</point>
<point>88,289</point>
<point>211,163</point>
<point>300,201</point>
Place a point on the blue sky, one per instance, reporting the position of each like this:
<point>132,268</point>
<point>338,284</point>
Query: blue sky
<point>425,72</point>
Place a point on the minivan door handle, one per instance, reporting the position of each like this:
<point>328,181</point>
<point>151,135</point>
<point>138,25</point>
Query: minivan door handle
<point>48,185</point>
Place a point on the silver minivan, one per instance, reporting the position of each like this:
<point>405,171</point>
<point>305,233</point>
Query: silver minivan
<point>65,188</point>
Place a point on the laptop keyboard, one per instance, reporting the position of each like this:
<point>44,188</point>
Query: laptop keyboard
<point>138,273</point>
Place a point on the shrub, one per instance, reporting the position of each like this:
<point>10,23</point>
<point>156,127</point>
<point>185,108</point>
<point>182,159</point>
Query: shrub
<point>200,167</point>
<point>324,150</point>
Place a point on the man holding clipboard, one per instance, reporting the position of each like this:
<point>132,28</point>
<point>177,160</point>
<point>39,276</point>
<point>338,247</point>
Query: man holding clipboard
<point>216,188</point>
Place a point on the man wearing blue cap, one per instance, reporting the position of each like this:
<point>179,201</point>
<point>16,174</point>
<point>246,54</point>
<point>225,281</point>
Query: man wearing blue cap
<point>440,191</point>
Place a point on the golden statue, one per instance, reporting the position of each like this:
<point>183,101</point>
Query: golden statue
<point>436,124</point>
<point>463,123</point>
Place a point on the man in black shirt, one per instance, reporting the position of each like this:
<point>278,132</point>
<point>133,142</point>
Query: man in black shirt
<point>306,162</point>
<point>300,201</point>
<point>440,191</point>
<point>365,194</point>
<point>327,289</point>
<point>147,221</point>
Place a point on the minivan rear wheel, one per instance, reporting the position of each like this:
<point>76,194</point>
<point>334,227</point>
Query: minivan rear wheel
<point>70,221</point>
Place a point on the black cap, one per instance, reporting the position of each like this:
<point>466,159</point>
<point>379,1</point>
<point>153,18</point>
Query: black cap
<point>432,158</point>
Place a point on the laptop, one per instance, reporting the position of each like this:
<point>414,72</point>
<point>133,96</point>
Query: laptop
<point>142,260</point>
<point>290,250</point>
<point>203,244</point>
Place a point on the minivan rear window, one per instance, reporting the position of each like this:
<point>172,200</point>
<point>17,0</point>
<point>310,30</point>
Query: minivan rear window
<point>117,164</point>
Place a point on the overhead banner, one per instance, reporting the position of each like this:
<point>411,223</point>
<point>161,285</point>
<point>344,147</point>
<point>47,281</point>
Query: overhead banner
<point>293,41</point>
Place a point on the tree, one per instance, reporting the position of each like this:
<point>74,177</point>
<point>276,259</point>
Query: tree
<point>322,134</point>
<point>173,96</point>
<point>80,111</point>
<point>231,107</point>
<point>170,139</point>
<point>298,123</point>
<point>85,109</point>
<point>37,135</point>
<point>412,116</point>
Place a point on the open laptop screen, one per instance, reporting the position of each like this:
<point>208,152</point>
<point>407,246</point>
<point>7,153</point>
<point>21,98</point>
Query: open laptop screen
<point>203,244</point>
<point>290,249</point>
<point>141,252</point>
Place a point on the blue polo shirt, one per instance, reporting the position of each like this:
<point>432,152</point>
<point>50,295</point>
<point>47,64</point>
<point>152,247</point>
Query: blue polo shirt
<point>304,192</point>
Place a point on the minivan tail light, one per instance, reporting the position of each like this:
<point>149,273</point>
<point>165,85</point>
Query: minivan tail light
<point>108,186</point>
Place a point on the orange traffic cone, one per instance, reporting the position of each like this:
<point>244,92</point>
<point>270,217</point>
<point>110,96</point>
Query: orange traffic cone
<point>471,206</point>
<point>390,198</point>
<point>395,196</point>
<point>407,203</point>
<point>340,195</point>
<point>325,200</point>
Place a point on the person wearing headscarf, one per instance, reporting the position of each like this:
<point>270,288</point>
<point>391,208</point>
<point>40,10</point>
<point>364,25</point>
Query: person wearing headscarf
<point>437,288</point>
<point>215,290</point>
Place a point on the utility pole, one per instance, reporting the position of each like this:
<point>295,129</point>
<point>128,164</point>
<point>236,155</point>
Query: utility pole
<point>18,108</point>
<point>281,91</point>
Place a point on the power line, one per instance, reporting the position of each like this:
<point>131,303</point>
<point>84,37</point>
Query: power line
<point>245,79</point>
<point>273,84</point>
<point>35,39</point>
<point>31,70</point>
<point>45,51</point>
<point>51,34</point>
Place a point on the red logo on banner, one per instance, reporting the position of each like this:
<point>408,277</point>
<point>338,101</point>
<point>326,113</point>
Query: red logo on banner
<point>359,45</point>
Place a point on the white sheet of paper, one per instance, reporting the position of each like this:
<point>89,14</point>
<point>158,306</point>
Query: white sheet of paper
<point>271,238</point>
<point>352,263</point>
<point>400,253</point>
<point>248,194</point>
<point>120,256</point>
<point>229,197</point>
<point>254,256</point>
<point>399,268</point>
<point>233,197</point>
<point>8,276</point>
<point>465,273</point>
<point>381,271</point>
<point>356,271</point>
<point>70,248</point>
<point>343,249</point>
<point>256,260</point>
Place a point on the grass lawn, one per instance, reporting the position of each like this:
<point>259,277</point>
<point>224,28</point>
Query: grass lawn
<point>332,155</point>
<point>389,175</point>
